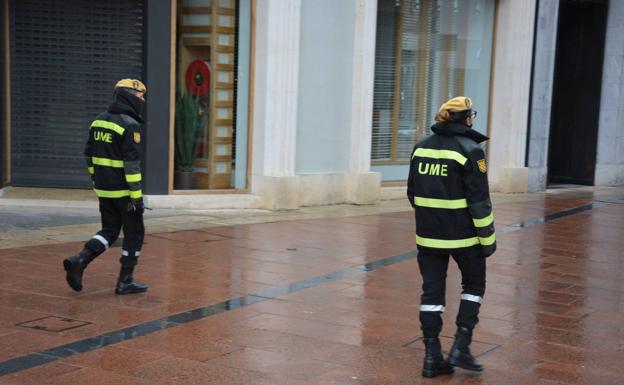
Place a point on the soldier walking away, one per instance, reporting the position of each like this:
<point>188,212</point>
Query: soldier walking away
<point>448,187</point>
<point>113,159</point>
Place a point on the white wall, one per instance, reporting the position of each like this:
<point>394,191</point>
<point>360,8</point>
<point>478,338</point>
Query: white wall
<point>314,68</point>
<point>325,85</point>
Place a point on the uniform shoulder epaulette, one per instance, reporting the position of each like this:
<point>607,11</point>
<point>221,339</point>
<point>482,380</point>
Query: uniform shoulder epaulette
<point>128,120</point>
<point>467,144</point>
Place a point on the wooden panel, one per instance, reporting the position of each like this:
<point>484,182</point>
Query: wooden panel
<point>250,109</point>
<point>196,29</point>
<point>225,49</point>
<point>224,67</point>
<point>202,180</point>
<point>396,104</point>
<point>228,30</point>
<point>196,10</point>
<point>196,42</point>
<point>225,86</point>
<point>223,158</point>
<point>222,181</point>
<point>172,92</point>
<point>226,11</point>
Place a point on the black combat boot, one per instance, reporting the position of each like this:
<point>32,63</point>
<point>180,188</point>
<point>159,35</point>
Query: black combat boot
<point>75,266</point>
<point>434,363</point>
<point>126,283</point>
<point>460,355</point>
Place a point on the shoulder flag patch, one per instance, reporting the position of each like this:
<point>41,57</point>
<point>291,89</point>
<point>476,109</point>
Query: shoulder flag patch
<point>137,138</point>
<point>482,165</point>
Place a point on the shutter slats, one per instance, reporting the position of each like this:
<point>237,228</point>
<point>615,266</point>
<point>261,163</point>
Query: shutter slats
<point>65,58</point>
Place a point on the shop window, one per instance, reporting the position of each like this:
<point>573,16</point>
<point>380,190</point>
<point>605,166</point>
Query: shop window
<point>206,93</point>
<point>427,51</point>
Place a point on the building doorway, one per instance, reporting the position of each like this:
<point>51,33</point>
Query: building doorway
<point>576,91</point>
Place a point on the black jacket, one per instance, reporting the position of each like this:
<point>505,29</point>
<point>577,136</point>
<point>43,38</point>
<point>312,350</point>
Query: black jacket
<point>113,151</point>
<point>448,187</point>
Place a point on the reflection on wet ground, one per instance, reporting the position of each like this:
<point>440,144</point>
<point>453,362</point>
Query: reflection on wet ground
<point>322,301</point>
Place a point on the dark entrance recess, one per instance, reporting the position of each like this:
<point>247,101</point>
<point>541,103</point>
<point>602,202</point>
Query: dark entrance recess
<point>576,91</point>
<point>65,59</point>
<point>3,49</point>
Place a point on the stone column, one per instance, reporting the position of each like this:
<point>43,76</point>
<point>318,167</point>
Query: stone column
<point>541,100</point>
<point>275,99</point>
<point>511,79</point>
<point>363,185</point>
<point>610,150</point>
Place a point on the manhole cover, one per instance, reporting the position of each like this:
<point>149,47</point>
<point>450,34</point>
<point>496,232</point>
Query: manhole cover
<point>478,348</point>
<point>617,199</point>
<point>53,324</point>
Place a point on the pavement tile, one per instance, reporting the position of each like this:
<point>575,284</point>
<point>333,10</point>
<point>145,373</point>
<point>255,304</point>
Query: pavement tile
<point>552,314</point>
<point>113,359</point>
<point>41,374</point>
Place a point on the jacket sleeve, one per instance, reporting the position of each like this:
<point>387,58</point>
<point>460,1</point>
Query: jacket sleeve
<point>88,153</point>
<point>132,159</point>
<point>478,197</point>
<point>411,180</point>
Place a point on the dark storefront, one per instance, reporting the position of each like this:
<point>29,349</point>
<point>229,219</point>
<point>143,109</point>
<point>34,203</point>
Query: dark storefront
<point>65,58</point>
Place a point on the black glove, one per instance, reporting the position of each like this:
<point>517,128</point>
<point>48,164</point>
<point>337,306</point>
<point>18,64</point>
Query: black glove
<point>136,206</point>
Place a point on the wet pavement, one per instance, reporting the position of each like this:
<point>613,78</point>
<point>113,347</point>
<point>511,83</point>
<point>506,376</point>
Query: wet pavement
<point>318,296</point>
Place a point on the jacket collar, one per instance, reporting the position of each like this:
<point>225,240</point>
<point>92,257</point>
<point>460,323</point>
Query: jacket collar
<point>452,129</point>
<point>127,104</point>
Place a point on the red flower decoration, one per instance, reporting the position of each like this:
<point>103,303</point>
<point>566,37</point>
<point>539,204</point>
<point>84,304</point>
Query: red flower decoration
<point>198,78</point>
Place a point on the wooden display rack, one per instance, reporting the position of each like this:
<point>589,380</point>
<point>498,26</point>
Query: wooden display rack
<point>207,32</point>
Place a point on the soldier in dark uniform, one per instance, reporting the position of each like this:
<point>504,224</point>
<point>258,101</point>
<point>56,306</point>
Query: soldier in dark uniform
<point>113,159</point>
<point>448,187</point>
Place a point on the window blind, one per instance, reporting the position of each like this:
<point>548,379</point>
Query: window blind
<point>420,61</point>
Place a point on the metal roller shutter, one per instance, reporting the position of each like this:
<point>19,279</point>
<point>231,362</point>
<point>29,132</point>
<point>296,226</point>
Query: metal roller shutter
<point>65,58</point>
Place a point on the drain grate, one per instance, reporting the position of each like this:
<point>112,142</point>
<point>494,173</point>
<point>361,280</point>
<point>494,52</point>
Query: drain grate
<point>478,348</point>
<point>53,324</point>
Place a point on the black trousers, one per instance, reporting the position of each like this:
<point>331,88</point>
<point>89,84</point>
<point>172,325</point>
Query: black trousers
<point>433,268</point>
<point>115,217</point>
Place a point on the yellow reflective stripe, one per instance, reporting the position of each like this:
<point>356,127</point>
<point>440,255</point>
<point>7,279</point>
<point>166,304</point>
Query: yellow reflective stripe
<point>91,170</point>
<point>108,125</point>
<point>107,162</point>
<point>136,194</point>
<point>133,177</point>
<point>488,241</point>
<point>440,154</point>
<point>441,203</point>
<point>111,194</point>
<point>446,243</point>
<point>483,222</point>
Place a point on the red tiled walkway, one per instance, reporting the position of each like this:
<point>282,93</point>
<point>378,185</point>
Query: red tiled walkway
<point>553,309</point>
